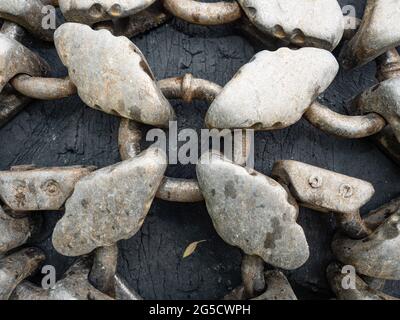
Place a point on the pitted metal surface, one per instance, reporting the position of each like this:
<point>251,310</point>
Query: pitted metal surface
<point>110,204</point>
<point>361,291</point>
<point>73,286</point>
<point>92,11</point>
<point>254,97</point>
<point>120,85</point>
<point>297,21</point>
<point>384,99</point>
<point>278,287</point>
<point>30,14</point>
<point>375,256</point>
<point>321,189</point>
<point>16,267</point>
<point>15,59</point>
<point>254,213</point>
<point>14,232</point>
<point>377,33</point>
<point>39,189</point>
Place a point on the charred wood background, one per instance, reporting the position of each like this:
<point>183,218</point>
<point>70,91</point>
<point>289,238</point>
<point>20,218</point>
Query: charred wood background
<point>66,132</point>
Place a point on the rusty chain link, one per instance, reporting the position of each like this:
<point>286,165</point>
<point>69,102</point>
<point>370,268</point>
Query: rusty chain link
<point>262,219</point>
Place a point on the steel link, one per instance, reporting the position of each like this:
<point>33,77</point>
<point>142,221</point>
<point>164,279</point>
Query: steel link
<point>350,127</point>
<point>204,13</point>
<point>43,88</point>
<point>370,243</point>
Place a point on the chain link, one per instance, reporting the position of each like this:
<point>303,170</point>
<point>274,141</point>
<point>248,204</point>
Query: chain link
<point>361,242</point>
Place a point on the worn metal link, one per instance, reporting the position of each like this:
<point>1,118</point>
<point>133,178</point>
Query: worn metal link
<point>326,191</point>
<point>11,102</point>
<point>14,59</point>
<point>139,23</point>
<point>351,127</point>
<point>29,14</point>
<point>13,232</point>
<point>249,210</point>
<point>16,267</point>
<point>367,254</point>
<point>376,35</point>
<point>43,88</point>
<point>188,89</point>
<point>38,189</point>
<point>285,20</point>
<point>277,288</point>
<point>90,12</point>
<point>361,291</point>
<point>204,13</point>
<point>73,286</point>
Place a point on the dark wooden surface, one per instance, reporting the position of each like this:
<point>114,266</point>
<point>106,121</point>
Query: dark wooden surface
<point>65,132</point>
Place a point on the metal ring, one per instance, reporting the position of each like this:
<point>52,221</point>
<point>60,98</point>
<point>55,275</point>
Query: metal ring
<point>350,127</point>
<point>104,277</point>
<point>171,189</point>
<point>43,88</point>
<point>207,14</point>
<point>188,88</point>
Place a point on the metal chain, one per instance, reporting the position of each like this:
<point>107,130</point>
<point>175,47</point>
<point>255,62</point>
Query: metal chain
<point>359,241</point>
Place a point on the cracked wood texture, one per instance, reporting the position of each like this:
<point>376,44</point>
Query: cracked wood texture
<point>65,132</point>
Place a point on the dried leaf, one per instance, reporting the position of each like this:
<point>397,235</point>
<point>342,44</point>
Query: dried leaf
<point>191,248</point>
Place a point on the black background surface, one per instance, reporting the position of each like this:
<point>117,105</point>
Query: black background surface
<point>66,132</point>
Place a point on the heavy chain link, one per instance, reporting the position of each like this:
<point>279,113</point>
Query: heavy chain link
<point>249,210</point>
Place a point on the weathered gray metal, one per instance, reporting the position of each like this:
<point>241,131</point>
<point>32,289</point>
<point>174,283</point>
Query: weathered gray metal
<point>73,286</point>
<point>253,275</point>
<point>327,191</point>
<point>293,22</point>
<point>278,287</point>
<point>236,294</point>
<point>13,232</point>
<point>109,204</point>
<point>187,88</point>
<point>204,13</point>
<point>123,291</point>
<point>351,127</point>
<point>43,88</point>
<point>361,291</point>
<point>388,143</point>
<point>388,65</point>
<point>384,99</point>
<point>252,211</point>
<point>122,85</point>
<point>102,273</point>
<point>29,14</point>
<point>254,97</point>
<point>376,255</point>
<point>129,138</point>
<point>13,31</point>
<point>378,33</point>
<point>317,23</point>
<point>376,217</point>
<point>171,189</point>
<point>11,103</point>
<point>143,21</point>
<point>16,267</point>
<point>15,59</point>
<point>92,11</point>
<point>321,189</point>
<point>39,188</point>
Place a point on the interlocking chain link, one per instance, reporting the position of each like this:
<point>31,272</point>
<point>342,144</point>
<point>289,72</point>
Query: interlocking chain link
<point>249,210</point>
